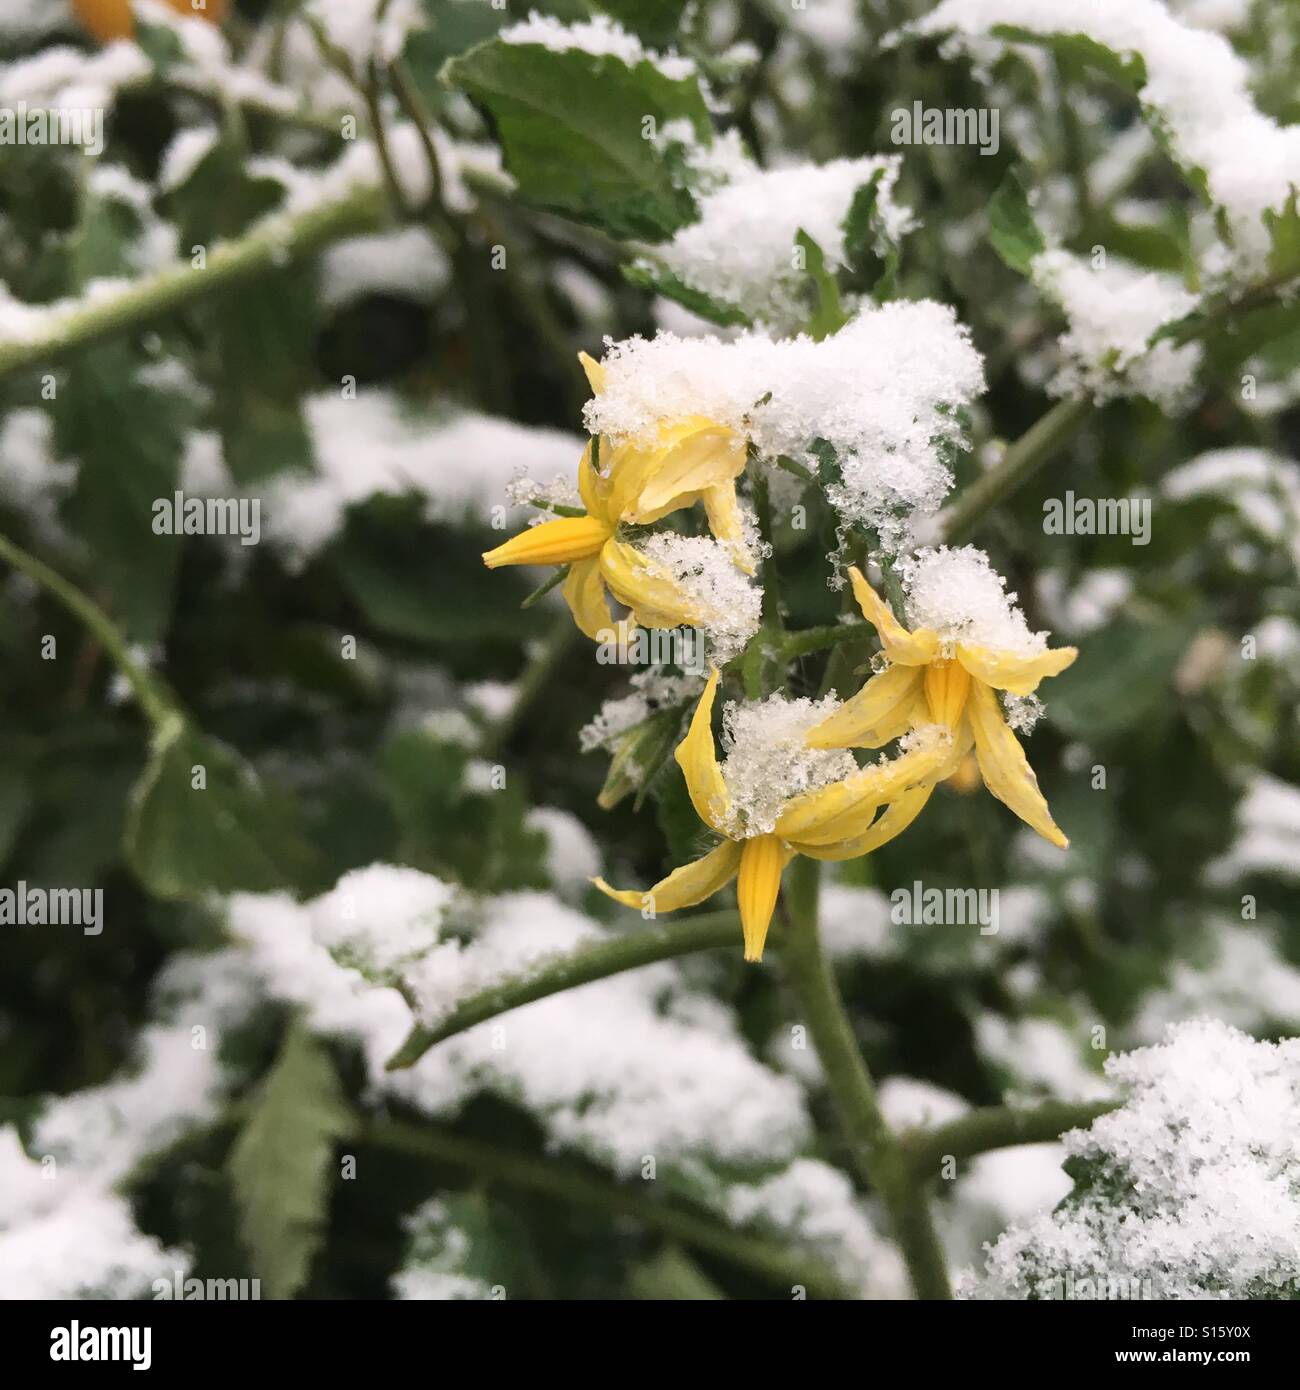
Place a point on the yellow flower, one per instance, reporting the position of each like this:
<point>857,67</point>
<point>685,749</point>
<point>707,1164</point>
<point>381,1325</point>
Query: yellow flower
<point>922,684</point>
<point>833,822</point>
<point>693,460</point>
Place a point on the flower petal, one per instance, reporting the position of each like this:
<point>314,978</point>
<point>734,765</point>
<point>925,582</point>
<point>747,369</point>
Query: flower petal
<point>947,684</point>
<point>1005,768</point>
<point>723,512</point>
<point>698,760</point>
<point>647,588</point>
<point>897,817</point>
<point>844,810</point>
<point>879,712</point>
<point>1017,674</point>
<point>905,648</point>
<point>704,456</point>
<point>684,887</point>
<point>761,865</point>
<point>558,542</point>
<point>595,373</point>
<point>584,592</point>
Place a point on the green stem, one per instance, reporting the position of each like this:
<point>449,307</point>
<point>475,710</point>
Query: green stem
<point>816,639</point>
<point>876,1151</point>
<point>486,1161</point>
<point>996,1127</point>
<point>269,245</point>
<point>151,694</point>
<point>1022,458</point>
<point>651,943</point>
<point>541,667</point>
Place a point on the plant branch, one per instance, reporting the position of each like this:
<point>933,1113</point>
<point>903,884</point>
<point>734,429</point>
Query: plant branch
<point>150,693</point>
<point>702,1233</point>
<point>598,962</point>
<point>875,1148</point>
<point>270,245</point>
<point>996,1127</point>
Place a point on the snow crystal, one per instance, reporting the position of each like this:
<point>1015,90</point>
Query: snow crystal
<point>461,466</point>
<point>1264,487</point>
<point>1096,596</point>
<point>32,479</point>
<point>1194,82</point>
<point>881,392</point>
<point>856,922</point>
<point>1267,833</point>
<point>741,251</point>
<point>600,36</point>
<point>1113,313</point>
<point>1188,1191</point>
<point>957,592</point>
<point>653,689</point>
<point>814,1205</point>
<point>834,28</point>
<point>381,919</point>
<point>1039,1055</point>
<point>572,858</point>
<point>408,264</point>
<point>725,602</point>
<point>767,761</point>
<point>1247,984</point>
<point>188,148</point>
<point>911,1104</point>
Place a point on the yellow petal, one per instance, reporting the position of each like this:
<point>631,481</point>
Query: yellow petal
<point>698,760</point>
<point>844,810</point>
<point>584,592</point>
<point>1005,768</point>
<point>684,887</point>
<point>879,712</point>
<point>558,542</point>
<point>897,817</point>
<point>708,455</point>
<point>647,588</point>
<point>756,888</point>
<point>905,648</point>
<point>595,373</point>
<point>1007,671</point>
<point>723,512</point>
<point>946,687</point>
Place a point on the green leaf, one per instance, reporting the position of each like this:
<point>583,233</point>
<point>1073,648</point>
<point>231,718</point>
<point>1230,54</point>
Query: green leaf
<point>1122,677</point>
<point>654,21</point>
<point>279,1166</point>
<point>661,280</point>
<point>129,436</point>
<point>1081,52</point>
<point>868,250</point>
<point>578,131</point>
<point>683,830</point>
<point>227,835</point>
<point>160,44</point>
<point>828,314</point>
<point>1013,232</point>
<point>471,1245</point>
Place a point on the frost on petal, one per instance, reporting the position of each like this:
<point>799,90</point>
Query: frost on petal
<point>727,604</point>
<point>767,760</point>
<point>882,393</point>
<point>957,592</point>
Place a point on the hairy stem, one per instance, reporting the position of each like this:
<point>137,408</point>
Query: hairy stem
<point>150,693</point>
<point>996,1127</point>
<point>651,943</point>
<point>876,1151</point>
<point>270,245</point>
<point>488,1162</point>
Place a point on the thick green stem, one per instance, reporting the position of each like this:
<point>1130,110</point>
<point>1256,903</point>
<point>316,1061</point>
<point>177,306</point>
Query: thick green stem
<point>876,1151</point>
<point>486,1161</point>
<point>150,693</point>
<point>1020,460</point>
<point>996,1127</point>
<point>542,665</point>
<point>270,245</point>
<point>661,941</point>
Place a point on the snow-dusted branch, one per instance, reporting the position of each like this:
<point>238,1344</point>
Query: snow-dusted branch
<point>661,941</point>
<point>997,1127</point>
